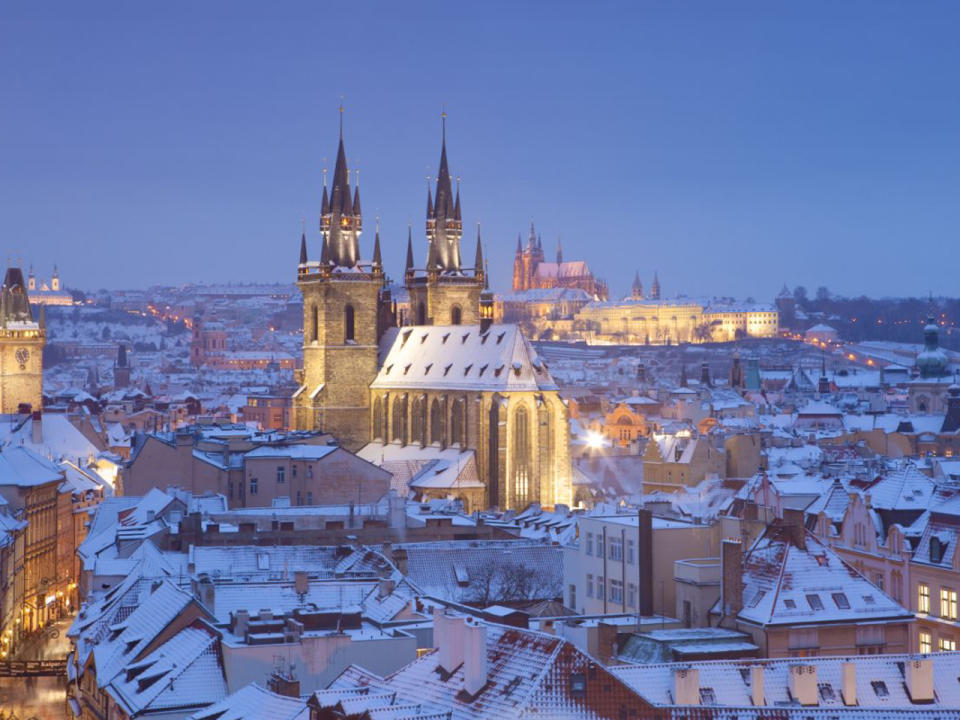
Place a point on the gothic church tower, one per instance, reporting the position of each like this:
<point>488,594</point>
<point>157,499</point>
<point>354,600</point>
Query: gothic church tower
<point>444,292</point>
<point>341,296</point>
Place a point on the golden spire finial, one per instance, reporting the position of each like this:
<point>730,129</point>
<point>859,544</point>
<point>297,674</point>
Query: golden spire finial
<point>324,172</point>
<point>341,117</point>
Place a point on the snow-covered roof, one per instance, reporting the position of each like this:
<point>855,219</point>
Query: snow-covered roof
<point>460,357</point>
<point>252,702</point>
<point>22,467</point>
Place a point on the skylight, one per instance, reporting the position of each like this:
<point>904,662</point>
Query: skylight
<point>841,600</point>
<point>814,601</point>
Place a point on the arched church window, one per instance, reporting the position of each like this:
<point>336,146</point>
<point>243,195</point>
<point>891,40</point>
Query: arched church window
<point>456,315</point>
<point>421,314</point>
<point>378,419</point>
<point>348,325</point>
<point>419,421</point>
<point>436,422</point>
<point>458,422</point>
<point>314,323</point>
<point>399,429</point>
<point>521,458</point>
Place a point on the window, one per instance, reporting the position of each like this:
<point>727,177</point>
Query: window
<point>314,323</point>
<point>589,543</point>
<point>600,546</point>
<point>923,598</point>
<point>948,604</point>
<point>616,591</point>
<point>456,315</point>
<point>293,470</point>
<point>309,497</point>
<point>421,314</point>
<point>572,604</point>
<point>826,691</point>
<point>926,642</point>
<point>601,588</point>
<point>630,546</point>
<point>589,585</point>
<point>281,474</point>
<point>348,325</point>
<point>631,595</point>
<point>708,696</point>
<point>878,580</point>
<point>616,549</point>
<point>947,645</point>
<point>253,486</point>
<point>309,471</point>
<point>879,688</point>
<point>299,499</point>
<point>841,601</point>
<point>814,601</point>
<point>522,461</point>
<point>757,597</point>
<point>804,638</point>
<point>790,604</point>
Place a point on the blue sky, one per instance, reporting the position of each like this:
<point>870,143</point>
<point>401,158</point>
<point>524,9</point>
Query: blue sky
<point>732,146</point>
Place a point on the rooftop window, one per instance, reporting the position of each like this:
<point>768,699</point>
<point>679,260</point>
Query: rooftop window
<point>814,601</point>
<point>879,688</point>
<point>841,600</point>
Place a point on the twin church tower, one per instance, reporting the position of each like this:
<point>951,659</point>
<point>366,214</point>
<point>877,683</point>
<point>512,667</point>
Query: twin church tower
<point>347,308</point>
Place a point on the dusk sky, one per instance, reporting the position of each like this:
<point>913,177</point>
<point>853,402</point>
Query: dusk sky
<point>731,146</point>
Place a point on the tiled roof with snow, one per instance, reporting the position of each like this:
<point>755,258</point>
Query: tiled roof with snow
<point>253,702</point>
<point>460,357</point>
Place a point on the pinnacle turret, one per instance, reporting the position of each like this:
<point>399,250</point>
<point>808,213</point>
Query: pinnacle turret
<point>478,259</point>
<point>409,266</point>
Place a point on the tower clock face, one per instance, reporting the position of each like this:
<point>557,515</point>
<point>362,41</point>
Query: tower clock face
<point>23,357</point>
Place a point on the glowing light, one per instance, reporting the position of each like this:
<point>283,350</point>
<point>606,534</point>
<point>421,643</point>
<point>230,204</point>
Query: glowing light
<point>594,440</point>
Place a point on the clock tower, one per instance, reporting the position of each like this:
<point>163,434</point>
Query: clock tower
<point>21,347</point>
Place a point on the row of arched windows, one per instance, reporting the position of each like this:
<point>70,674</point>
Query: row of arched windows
<point>413,427</point>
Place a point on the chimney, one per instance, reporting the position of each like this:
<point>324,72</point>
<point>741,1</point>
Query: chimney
<point>474,658</point>
<point>606,642</point>
<point>849,683</point>
<point>686,686</point>
<point>919,677</point>
<point>385,588</point>
<point>36,428</point>
<point>803,684</point>
<point>645,560</point>
<point>756,685</point>
<point>151,515</point>
<point>793,524</point>
<point>448,639</point>
<point>240,623</point>
<point>731,579</point>
<point>301,583</point>
<point>705,375</point>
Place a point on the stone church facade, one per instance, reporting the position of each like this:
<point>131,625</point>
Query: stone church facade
<point>452,379</point>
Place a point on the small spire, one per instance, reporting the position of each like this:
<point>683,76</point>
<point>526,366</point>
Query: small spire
<point>341,117</point>
<point>409,266</point>
<point>519,245</point>
<point>486,276</point>
<point>478,261</point>
<point>429,201</point>
<point>559,251</point>
<point>456,204</point>
<point>356,198</point>
<point>377,259</point>
<point>303,247</point>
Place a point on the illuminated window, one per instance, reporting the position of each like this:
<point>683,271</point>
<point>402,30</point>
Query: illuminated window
<point>926,642</point>
<point>947,645</point>
<point>948,603</point>
<point>923,598</point>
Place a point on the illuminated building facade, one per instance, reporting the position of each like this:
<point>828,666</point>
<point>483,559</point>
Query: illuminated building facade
<point>21,348</point>
<point>532,272</point>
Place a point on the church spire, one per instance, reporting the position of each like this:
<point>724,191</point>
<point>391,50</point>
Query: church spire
<point>408,271</point>
<point>377,259</point>
<point>478,260</point>
<point>303,248</point>
<point>341,222</point>
<point>559,252</point>
<point>443,218</point>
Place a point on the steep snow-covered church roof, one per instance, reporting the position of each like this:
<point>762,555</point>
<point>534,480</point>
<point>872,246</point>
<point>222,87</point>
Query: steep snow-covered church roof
<point>461,357</point>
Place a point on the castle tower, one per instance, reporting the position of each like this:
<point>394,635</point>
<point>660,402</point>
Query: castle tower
<point>21,347</point>
<point>341,313</point>
<point>636,293</point>
<point>31,280</point>
<point>55,280</point>
<point>444,292</point>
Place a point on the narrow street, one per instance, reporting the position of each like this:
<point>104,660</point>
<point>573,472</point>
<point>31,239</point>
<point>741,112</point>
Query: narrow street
<point>42,698</point>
